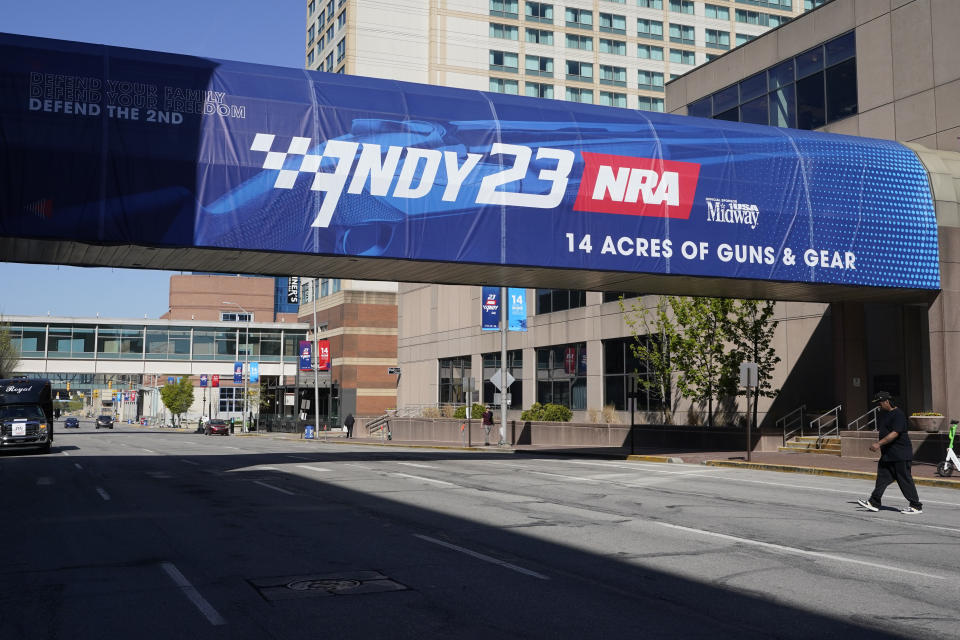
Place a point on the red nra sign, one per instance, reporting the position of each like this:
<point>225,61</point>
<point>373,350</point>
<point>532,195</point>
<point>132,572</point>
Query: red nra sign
<point>637,186</point>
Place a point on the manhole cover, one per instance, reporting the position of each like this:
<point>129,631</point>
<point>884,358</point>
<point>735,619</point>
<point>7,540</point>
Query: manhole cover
<point>350,583</point>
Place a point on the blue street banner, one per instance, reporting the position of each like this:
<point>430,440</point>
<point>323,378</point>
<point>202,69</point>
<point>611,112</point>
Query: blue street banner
<point>203,379</point>
<point>170,380</point>
<point>108,146</point>
<point>237,372</point>
<point>254,372</point>
<point>490,309</point>
<point>306,361</point>
<point>518,309</point>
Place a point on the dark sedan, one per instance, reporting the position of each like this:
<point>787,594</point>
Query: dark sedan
<point>71,423</point>
<point>104,422</point>
<point>216,428</point>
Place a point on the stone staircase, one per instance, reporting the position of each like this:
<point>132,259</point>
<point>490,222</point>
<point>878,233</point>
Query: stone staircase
<point>812,444</point>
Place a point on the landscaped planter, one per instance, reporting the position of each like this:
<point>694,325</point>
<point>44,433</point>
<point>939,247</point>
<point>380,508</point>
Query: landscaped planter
<point>930,424</point>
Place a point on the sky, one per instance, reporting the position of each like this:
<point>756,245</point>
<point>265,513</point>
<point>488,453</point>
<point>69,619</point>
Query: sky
<point>263,31</point>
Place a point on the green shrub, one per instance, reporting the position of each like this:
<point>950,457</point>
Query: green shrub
<point>547,413</point>
<point>476,411</point>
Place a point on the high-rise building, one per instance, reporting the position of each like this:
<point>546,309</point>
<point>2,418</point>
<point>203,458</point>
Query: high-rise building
<point>611,52</point>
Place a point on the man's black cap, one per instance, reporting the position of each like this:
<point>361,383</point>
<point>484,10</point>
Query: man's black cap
<point>881,396</point>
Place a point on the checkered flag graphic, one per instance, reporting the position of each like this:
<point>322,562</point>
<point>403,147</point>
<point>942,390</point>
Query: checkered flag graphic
<point>278,159</point>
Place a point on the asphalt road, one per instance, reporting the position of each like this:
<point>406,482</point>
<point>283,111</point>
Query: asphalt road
<point>137,533</point>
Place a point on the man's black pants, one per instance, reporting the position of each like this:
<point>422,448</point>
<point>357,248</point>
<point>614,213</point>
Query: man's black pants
<point>899,471</point>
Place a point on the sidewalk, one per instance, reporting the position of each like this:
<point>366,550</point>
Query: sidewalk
<point>924,473</point>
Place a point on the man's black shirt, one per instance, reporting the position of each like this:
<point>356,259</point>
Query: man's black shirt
<point>901,448</point>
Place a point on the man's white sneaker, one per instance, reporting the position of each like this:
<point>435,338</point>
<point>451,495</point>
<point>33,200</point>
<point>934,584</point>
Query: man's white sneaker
<point>867,505</point>
<point>912,510</point>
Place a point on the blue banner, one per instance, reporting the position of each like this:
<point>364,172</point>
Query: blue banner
<point>254,372</point>
<point>203,379</point>
<point>306,361</point>
<point>490,309</point>
<point>109,146</point>
<point>237,372</point>
<point>518,309</point>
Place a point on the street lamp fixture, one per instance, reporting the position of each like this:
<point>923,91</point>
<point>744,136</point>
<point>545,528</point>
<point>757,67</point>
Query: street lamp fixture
<point>246,366</point>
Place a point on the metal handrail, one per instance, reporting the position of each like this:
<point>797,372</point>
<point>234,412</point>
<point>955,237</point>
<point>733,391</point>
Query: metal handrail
<point>856,425</point>
<point>826,418</point>
<point>794,417</point>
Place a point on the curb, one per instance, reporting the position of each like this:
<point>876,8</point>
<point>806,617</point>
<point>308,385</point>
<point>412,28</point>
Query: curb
<point>834,473</point>
<point>352,441</point>
<point>638,458</point>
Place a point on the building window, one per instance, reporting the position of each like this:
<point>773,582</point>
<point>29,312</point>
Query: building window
<point>503,61</point>
<point>562,375</point>
<point>758,18</point>
<point>491,362</point>
<point>813,4</point>
<point>619,365</point>
<point>616,76</point>
<point>504,8</point>
<point>681,6</point>
<point>540,36</point>
<point>504,85</point>
<point>650,80</point>
<point>650,29</point>
<point>579,71</point>
<point>646,103</point>
<point>610,99</point>
<point>579,18</point>
<point>579,42</point>
<point>743,38</point>
<point>682,56</point>
<point>229,316</point>
<point>649,52</point>
<point>329,35</point>
<point>342,19</point>
<point>550,300</point>
<point>575,94</point>
<point>538,90</point>
<point>311,33</point>
<point>539,12</point>
<point>331,7</point>
<point>453,371</point>
<point>717,39</point>
<point>505,31</point>
<point>311,7</point>
<point>539,66</point>
<point>613,23</point>
<point>681,33</point>
<point>650,4</point>
<point>341,49</point>
<point>616,47</point>
<point>310,57</point>
<point>716,12</point>
<point>231,399</point>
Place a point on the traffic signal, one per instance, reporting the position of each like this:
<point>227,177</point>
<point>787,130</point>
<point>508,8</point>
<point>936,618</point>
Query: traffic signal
<point>96,393</point>
<point>68,386</point>
<point>109,384</point>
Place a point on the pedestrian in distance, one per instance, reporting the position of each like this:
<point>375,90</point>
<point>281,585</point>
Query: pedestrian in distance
<point>348,423</point>
<point>896,457</point>
<point>487,425</point>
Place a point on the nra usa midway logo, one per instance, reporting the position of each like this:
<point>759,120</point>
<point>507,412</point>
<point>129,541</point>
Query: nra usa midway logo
<point>732,212</point>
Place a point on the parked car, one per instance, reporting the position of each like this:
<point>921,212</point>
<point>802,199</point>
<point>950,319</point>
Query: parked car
<point>105,422</point>
<point>216,428</point>
<point>71,423</point>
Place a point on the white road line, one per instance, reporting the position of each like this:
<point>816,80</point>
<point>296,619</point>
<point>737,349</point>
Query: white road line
<point>78,466</point>
<point>192,594</point>
<point>304,466</point>
<point>802,552</point>
<point>484,557</point>
<point>103,494</point>
<point>196,464</point>
<point>147,450</point>
<point>407,475</point>
<point>414,464</point>
<point>270,486</point>
<point>565,477</point>
<point>65,453</point>
<point>358,466</point>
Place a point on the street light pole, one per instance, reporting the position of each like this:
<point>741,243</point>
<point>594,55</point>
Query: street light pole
<point>246,357</point>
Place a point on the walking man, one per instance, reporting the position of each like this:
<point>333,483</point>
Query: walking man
<point>348,423</point>
<point>896,457</point>
<point>487,425</point>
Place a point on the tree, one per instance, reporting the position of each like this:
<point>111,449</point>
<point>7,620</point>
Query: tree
<point>702,365</point>
<point>9,354</point>
<point>654,335</point>
<point>177,397</point>
<point>752,332</point>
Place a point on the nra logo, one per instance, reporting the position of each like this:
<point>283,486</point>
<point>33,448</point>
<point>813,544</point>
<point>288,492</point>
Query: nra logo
<point>491,304</point>
<point>637,186</point>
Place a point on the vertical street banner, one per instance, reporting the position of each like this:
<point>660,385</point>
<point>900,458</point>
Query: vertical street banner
<point>570,360</point>
<point>237,372</point>
<point>203,379</point>
<point>254,372</point>
<point>306,359</point>
<point>323,355</point>
<point>215,380</point>
<point>490,309</point>
<point>518,309</point>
